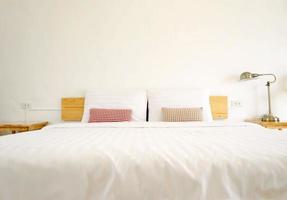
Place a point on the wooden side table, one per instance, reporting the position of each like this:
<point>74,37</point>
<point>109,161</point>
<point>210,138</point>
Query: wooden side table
<point>272,125</point>
<point>21,127</point>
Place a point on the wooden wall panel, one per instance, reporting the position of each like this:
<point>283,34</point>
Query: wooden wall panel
<point>219,107</point>
<point>72,109</point>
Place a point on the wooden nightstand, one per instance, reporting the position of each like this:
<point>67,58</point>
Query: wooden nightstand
<point>272,125</point>
<point>21,127</point>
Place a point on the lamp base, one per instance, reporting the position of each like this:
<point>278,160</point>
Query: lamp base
<point>270,118</point>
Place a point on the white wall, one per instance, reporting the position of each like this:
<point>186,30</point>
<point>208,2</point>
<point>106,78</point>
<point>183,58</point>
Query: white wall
<point>55,48</point>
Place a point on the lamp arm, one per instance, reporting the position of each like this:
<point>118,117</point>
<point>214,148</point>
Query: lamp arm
<point>273,81</point>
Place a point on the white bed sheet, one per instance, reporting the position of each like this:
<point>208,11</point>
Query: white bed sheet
<point>144,161</point>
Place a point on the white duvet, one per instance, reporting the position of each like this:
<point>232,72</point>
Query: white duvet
<point>144,161</point>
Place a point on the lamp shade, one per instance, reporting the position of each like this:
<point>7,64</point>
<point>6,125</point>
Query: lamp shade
<point>248,76</point>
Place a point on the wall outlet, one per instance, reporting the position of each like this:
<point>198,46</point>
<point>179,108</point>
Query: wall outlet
<point>235,104</point>
<point>25,106</point>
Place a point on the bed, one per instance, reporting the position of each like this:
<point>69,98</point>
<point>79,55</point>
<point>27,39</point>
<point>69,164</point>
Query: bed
<point>76,161</point>
<point>144,160</point>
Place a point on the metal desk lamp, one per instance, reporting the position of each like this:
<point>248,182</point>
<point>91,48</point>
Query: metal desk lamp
<point>249,76</point>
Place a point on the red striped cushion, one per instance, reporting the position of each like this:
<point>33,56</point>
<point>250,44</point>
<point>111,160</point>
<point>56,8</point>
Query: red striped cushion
<point>109,115</point>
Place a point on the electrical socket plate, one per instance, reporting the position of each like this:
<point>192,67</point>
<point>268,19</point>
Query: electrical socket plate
<point>235,104</point>
<point>25,106</point>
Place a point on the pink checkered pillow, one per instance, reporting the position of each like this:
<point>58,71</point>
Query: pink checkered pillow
<point>109,115</point>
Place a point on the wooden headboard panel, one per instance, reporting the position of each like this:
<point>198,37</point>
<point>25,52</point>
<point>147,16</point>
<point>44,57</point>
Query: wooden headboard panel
<point>219,107</point>
<point>73,108</point>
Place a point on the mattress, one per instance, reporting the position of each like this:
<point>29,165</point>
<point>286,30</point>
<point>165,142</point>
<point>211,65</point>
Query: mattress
<point>144,161</point>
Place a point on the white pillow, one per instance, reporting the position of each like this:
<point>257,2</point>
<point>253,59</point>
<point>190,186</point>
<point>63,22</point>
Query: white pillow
<point>178,98</point>
<point>134,100</point>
